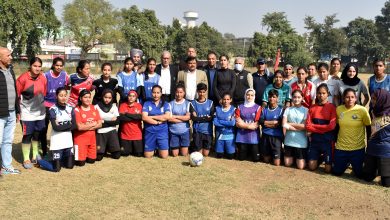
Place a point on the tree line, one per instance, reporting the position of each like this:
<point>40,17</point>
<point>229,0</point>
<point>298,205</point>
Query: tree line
<point>91,22</point>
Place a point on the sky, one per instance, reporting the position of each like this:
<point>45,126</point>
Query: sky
<point>242,18</point>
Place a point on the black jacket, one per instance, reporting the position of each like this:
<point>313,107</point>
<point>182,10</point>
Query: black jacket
<point>242,85</point>
<point>174,70</point>
<point>259,84</point>
<point>4,95</point>
<point>224,81</point>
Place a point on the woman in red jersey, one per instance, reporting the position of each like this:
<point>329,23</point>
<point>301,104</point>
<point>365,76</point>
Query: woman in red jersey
<point>87,120</point>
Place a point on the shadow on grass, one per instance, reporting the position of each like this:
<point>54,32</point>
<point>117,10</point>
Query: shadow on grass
<point>17,152</point>
<point>347,175</point>
<point>186,164</point>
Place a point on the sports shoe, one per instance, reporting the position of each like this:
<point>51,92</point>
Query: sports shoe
<point>11,170</point>
<point>27,164</point>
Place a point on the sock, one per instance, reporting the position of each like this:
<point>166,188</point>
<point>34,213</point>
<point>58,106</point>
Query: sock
<point>26,151</point>
<point>34,149</point>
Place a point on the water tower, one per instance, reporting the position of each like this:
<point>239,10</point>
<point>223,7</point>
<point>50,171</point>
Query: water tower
<point>191,17</point>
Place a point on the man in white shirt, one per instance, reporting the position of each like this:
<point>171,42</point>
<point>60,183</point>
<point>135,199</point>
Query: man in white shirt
<point>191,78</point>
<point>168,76</point>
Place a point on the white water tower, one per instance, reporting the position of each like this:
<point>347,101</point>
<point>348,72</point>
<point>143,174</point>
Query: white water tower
<point>191,17</point>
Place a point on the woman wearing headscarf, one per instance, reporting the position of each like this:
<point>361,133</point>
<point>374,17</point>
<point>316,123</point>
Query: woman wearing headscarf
<point>107,136</point>
<point>350,79</point>
<point>377,160</point>
<point>247,117</point>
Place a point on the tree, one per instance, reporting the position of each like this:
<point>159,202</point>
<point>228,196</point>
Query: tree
<point>24,23</point>
<point>280,35</point>
<point>325,39</point>
<point>363,40</point>
<point>277,23</point>
<point>91,22</point>
<point>382,23</point>
<point>143,30</point>
<point>203,37</point>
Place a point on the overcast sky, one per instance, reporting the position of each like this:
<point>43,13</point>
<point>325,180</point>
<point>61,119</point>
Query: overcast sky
<point>243,17</point>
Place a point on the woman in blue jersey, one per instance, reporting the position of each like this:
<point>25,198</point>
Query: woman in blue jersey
<point>179,126</point>
<point>155,114</point>
<point>151,78</point>
<point>272,134</point>
<point>63,121</point>
<point>380,79</point>
<point>56,77</point>
<point>377,160</point>
<point>224,122</point>
<point>202,111</point>
<point>295,140</point>
<point>127,79</point>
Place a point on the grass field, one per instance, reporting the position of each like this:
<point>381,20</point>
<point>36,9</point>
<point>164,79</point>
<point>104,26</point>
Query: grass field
<point>138,188</point>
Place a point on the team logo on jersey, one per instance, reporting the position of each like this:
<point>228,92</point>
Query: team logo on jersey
<point>342,115</point>
<point>84,115</point>
<point>354,116</point>
<point>150,108</point>
<point>253,114</point>
<point>94,113</point>
<point>162,109</point>
<point>137,111</point>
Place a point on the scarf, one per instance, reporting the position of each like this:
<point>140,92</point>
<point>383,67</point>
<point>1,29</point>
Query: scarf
<point>247,103</point>
<point>103,106</point>
<point>350,81</point>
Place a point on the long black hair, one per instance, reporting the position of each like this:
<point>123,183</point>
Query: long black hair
<point>55,60</point>
<point>127,60</point>
<point>82,93</point>
<point>146,73</point>
<point>35,59</point>
<point>81,65</point>
<point>304,69</point>
<point>322,86</point>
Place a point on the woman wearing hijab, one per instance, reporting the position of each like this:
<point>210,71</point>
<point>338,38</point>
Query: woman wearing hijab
<point>377,160</point>
<point>349,79</point>
<point>247,117</point>
<point>107,136</point>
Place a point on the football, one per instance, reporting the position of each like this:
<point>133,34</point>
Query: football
<point>196,159</point>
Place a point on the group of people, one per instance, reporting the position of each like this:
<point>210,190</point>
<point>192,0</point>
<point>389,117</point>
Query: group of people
<point>316,115</point>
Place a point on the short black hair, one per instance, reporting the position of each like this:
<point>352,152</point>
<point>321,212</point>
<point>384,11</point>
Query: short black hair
<point>201,86</point>
<point>273,92</point>
<point>188,59</point>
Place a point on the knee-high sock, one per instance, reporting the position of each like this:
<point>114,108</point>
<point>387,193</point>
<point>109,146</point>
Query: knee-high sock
<point>34,149</point>
<point>26,151</point>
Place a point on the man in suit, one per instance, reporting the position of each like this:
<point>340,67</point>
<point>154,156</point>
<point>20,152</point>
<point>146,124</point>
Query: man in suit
<point>191,78</point>
<point>168,76</point>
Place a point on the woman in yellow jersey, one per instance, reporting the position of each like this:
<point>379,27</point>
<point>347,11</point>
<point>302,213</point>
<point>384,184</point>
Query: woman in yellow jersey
<point>351,140</point>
